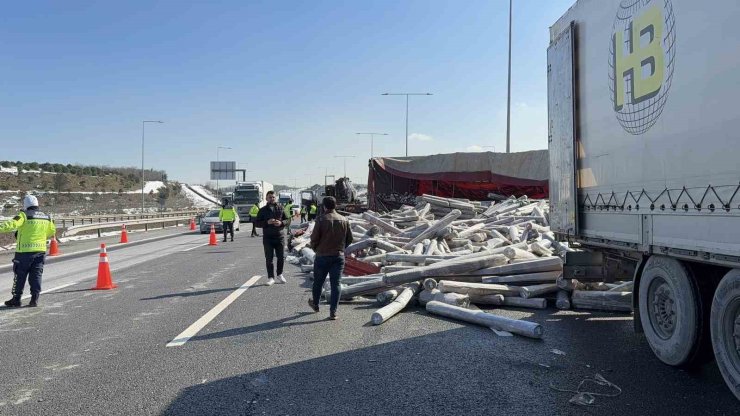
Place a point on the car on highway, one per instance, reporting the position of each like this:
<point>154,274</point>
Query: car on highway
<point>211,218</point>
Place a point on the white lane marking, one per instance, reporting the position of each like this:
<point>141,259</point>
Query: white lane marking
<point>210,315</point>
<point>193,248</point>
<point>51,290</point>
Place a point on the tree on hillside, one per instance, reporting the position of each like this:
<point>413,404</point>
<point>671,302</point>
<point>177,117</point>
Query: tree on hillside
<point>61,182</point>
<point>33,166</point>
<point>5,164</point>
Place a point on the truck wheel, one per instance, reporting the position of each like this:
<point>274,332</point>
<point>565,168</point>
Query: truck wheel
<point>725,324</point>
<point>671,312</point>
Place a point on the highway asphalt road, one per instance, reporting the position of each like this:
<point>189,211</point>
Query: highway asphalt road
<point>106,352</point>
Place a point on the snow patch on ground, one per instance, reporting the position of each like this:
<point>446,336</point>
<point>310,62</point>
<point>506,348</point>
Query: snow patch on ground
<point>204,191</point>
<point>196,199</point>
<point>12,169</point>
<point>150,186</point>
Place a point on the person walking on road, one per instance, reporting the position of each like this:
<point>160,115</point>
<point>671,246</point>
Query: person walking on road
<point>271,218</point>
<point>288,213</point>
<point>330,236</point>
<point>227,215</point>
<point>253,212</point>
<point>312,211</point>
<point>303,214</point>
<point>32,228</point>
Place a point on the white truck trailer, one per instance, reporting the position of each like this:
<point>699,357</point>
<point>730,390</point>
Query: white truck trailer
<point>644,132</point>
<point>246,194</point>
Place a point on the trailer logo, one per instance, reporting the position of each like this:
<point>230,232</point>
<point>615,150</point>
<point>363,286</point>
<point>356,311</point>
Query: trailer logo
<point>641,60</point>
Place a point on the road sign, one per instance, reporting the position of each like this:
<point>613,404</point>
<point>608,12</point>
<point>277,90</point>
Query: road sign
<point>223,170</point>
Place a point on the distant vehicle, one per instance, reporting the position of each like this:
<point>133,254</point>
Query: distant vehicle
<point>211,218</point>
<point>346,195</point>
<point>247,193</point>
<point>307,197</point>
<point>284,197</point>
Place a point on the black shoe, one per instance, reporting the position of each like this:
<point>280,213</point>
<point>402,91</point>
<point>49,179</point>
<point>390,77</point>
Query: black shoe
<point>224,240</point>
<point>232,240</point>
<point>34,301</point>
<point>333,316</point>
<point>313,306</point>
<point>13,303</point>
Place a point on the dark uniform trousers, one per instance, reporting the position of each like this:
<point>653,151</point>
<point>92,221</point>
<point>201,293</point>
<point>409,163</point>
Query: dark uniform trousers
<point>27,266</point>
<point>228,227</point>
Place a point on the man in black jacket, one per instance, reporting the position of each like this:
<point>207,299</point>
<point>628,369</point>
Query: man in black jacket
<point>272,219</point>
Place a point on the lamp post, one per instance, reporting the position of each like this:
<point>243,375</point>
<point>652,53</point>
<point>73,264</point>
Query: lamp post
<point>508,95</point>
<point>407,111</point>
<point>218,190</point>
<point>372,137</point>
<point>143,129</point>
<point>345,163</point>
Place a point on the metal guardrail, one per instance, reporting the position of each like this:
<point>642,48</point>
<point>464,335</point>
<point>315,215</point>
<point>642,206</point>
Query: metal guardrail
<point>100,219</point>
<point>76,229</point>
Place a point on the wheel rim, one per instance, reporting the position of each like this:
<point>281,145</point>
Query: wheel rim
<point>731,320</point>
<point>662,305</point>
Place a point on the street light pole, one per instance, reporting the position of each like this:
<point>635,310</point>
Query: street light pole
<point>143,125</point>
<point>508,95</point>
<point>407,111</point>
<point>345,163</point>
<point>218,189</point>
<point>372,138</point>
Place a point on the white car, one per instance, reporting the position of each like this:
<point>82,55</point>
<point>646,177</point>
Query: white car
<point>211,218</point>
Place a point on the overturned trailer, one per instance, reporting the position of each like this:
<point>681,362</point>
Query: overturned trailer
<point>393,182</point>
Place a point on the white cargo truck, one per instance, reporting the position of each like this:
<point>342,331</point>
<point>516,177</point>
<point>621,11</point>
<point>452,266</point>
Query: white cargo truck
<point>246,194</point>
<point>644,132</point>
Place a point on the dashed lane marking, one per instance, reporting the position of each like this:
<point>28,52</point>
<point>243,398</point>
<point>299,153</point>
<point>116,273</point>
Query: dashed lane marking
<point>210,315</point>
<point>193,248</point>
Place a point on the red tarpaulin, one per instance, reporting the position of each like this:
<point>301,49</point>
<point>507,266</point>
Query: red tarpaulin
<point>396,181</point>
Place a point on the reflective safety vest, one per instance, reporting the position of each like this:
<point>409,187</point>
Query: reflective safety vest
<point>313,210</point>
<point>227,214</point>
<point>288,210</point>
<point>303,210</point>
<point>33,230</point>
<point>254,211</point>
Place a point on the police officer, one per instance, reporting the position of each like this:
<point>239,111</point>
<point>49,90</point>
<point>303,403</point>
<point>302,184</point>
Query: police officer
<point>227,215</point>
<point>32,229</point>
<point>288,208</point>
<point>312,211</point>
<point>253,217</point>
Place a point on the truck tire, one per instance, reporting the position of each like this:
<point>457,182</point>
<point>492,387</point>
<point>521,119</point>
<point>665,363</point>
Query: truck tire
<point>725,324</point>
<point>671,312</point>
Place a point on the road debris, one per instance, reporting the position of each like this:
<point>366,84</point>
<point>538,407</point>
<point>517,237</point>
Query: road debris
<point>450,255</point>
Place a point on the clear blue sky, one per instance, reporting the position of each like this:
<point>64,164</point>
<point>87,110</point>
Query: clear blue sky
<point>286,84</point>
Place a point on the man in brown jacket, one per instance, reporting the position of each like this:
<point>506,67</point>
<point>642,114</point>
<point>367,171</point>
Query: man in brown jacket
<point>330,236</point>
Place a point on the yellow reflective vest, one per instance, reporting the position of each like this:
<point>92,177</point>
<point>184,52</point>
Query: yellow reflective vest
<point>227,214</point>
<point>33,230</point>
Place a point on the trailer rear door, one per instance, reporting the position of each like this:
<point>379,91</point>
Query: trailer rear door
<point>561,133</point>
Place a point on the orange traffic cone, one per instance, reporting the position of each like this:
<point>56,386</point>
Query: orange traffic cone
<point>105,282</point>
<point>124,234</point>
<point>54,248</point>
<point>212,241</point>
<point>192,224</point>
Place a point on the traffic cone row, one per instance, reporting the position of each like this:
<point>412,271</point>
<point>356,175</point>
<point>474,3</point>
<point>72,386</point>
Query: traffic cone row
<point>124,234</point>
<point>212,241</point>
<point>54,247</point>
<point>105,281</point>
